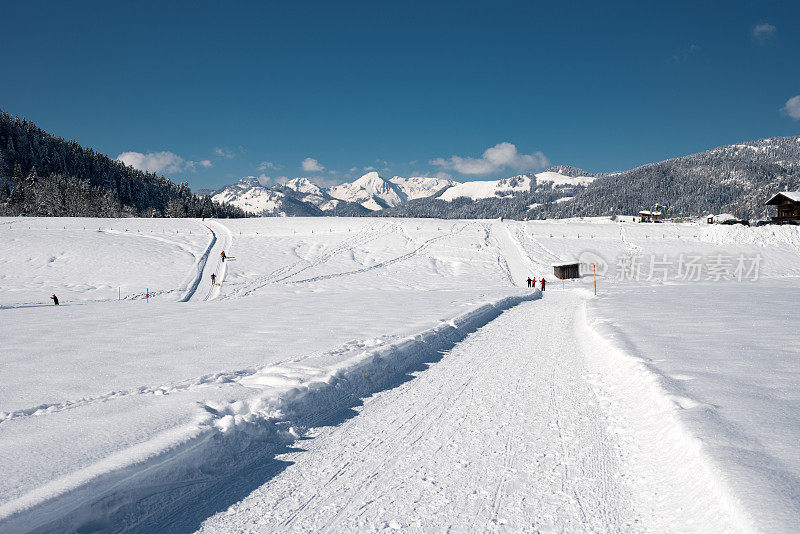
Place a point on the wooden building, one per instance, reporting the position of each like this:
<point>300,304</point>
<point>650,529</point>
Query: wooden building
<point>788,203</point>
<point>649,216</point>
<point>567,270</point>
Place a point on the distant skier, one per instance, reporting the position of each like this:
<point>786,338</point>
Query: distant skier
<point>533,282</point>
<point>223,256</point>
<point>543,283</point>
<point>54,298</point>
<point>213,279</point>
<point>529,281</point>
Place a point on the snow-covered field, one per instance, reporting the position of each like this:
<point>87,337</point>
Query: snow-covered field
<point>667,403</point>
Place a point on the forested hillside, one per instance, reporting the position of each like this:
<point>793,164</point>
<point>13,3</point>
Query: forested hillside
<point>45,175</point>
<point>734,179</point>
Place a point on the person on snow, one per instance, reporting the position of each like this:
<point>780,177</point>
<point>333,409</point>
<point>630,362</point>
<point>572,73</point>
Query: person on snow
<point>213,279</point>
<point>533,283</point>
<point>223,256</point>
<point>54,298</point>
<point>529,281</point>
<point>543,283</point>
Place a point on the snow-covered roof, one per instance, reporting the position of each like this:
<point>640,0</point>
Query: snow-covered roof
<point>645,212</point>
<point>565,263</point>
<point>794,196</point>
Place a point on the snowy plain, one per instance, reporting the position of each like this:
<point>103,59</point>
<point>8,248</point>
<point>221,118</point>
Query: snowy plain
<point>125,414</point>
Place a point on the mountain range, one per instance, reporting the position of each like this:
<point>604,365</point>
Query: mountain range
<point>733,179</point>
<point>42,174</point>
<point>372,193</point>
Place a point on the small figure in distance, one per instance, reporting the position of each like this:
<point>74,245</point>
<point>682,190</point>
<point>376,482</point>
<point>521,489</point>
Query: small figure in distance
<point>213,279</point>
<point>223,256</point>
<point>529,281</point>
<point>54,298</point>
<point>543,283</point>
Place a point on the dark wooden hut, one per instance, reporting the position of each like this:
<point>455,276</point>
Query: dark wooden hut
<point>567,270</point>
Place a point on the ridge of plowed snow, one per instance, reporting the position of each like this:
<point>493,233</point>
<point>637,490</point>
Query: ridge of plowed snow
<point>509,430</point>
<point>290,400</point>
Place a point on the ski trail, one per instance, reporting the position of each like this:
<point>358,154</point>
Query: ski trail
<point>386,263</point>
<point>511,257</point>
<point>361,237</point>
<point>219,267</point>
<point>210,262</point>
<point>508,432</point>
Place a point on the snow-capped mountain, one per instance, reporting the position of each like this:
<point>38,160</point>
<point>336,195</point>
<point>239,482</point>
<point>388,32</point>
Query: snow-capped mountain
<point>507,187</point>
<point>300,196</point>
<point>249,195</point>
<point>375,192</point>
<point>487,189</point>
<point>371,191</point>
<point>422,186</point>
<point>305,186</point>
<point>311,193</point>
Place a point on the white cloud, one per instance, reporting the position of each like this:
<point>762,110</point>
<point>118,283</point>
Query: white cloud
<point>792,107</point>
<point>224,153</point>
<point>311,165</point>
<point>264,165</point>
<point>369,168</point>
<point>156,162</point>
<point>161,162</point>
<point>764,31</point>
<point>502,155</point>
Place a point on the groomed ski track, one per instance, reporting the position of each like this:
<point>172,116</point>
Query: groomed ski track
<point>508,432</point>
<point>210,262</point>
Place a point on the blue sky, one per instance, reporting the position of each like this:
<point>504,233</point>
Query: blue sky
<point>210,92</point>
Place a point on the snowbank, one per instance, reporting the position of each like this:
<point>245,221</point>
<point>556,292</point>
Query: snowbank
<point>722,363</point>
<point>230,435</point>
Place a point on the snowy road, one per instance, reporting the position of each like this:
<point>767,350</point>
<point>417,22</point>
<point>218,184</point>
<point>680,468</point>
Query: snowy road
<point>505,433</point>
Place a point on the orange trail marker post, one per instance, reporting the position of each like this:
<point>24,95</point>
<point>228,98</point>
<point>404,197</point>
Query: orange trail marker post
<point>594,273</point>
